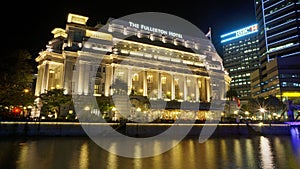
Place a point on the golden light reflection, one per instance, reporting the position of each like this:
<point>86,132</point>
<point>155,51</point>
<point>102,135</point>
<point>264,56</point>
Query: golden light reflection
<point>137,150</point>
<point>176,156</point>
<point>84,156</point>
<point>280,149</point>
<point>210,154</point>
<point>191,152</point>
<point>224,150</point>
<point>250,153</point>
<point>157,160</point>
<point>112,158</point>
<point>137,163</point>
<point>157,147</point>
<point>23,158</point>
<point>237,152</point>
<point>266,153</point>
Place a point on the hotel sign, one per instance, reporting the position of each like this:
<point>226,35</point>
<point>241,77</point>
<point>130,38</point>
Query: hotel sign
<point>154,30</point>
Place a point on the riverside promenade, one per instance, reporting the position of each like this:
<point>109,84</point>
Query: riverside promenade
<point>141,129</point>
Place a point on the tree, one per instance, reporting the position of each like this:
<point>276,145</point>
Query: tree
<point>53,99</point>
<point>274,105</point>
<point>16,78</point>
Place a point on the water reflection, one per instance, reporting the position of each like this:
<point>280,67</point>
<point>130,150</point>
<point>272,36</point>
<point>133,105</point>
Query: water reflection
<point>266,153</point>
<point>84,156</point>
<point>249,150</point>
<point>82,153</point>
<point>112,158</point>
<point>157,160</point>
<point>237,151</point>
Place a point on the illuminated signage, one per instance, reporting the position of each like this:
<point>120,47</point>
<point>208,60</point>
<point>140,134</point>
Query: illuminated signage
<point>155,30</point>
<point>239,33</point>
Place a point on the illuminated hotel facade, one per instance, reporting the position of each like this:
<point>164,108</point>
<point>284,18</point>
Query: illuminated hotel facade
<point>131,59</point>
<point>279,48</point>
<point>240,58</point>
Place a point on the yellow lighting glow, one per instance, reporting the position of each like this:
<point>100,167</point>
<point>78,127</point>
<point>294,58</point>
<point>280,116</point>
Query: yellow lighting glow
<point>59,32</point>
<point>87,108</point>
<point>98,35</point>
<point>291,94</point>
<point>77,19</point>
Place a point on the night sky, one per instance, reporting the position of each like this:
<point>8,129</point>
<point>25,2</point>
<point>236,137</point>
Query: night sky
<point>28,25</point>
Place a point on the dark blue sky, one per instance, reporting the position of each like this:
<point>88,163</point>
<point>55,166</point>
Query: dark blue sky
<point>28,25</point>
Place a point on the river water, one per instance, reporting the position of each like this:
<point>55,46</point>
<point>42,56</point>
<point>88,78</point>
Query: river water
<point>239,152</point>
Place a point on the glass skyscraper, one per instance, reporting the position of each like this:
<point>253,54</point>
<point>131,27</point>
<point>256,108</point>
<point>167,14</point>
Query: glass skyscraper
<point>279,49</point>
<point>240,57</point>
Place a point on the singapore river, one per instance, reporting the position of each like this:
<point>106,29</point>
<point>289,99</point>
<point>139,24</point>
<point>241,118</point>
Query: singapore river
<point>238,152</point>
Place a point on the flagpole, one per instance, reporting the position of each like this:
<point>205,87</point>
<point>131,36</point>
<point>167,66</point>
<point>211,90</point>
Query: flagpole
<point>210,34</point>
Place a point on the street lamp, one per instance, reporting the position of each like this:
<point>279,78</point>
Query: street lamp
<point>262,111</point>
<point>114,115</point>
<point>222,116</point>
<point>246,114</point>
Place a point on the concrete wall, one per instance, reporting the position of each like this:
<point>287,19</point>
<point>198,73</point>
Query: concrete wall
<point>138,129</point>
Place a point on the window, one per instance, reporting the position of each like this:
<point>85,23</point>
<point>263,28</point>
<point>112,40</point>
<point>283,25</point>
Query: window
<point>96,89</point>
<point>135,77</point>
<point>164,80</point>
<point>149,78</point>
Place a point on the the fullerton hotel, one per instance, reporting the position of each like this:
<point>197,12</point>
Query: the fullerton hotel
<point>130,58</point>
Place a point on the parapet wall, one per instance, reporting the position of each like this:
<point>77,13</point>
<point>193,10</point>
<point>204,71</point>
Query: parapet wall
<point>139,129</point>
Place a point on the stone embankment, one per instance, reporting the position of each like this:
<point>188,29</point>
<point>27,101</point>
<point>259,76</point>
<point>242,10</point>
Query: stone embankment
<point>140,129</point>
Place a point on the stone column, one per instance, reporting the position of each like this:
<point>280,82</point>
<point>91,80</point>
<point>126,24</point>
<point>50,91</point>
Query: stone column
<point>145,86</point>
<point>80,85</point>
<point>129,80</point>
<point>39,81</point>
<point>86,79</point>
<point>108,79</point>
<point>172,87</point>
<point>197,89</point>
<point>185,88</point>
<point>45,78</point>
<point>203,89</point>
<point>70,75</point>
<point>61,76</point>
<point>159,88</point>
<point>208,89</point>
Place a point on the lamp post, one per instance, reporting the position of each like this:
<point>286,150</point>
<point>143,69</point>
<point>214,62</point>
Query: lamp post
<point>237,118</point>
<point>262,111</point>
<point>114,118</point>
<point>222,116</point>
<point>247,114</point>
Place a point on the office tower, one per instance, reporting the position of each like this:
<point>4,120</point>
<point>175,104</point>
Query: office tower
<point>279,48</point>
<point>240,58</point>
